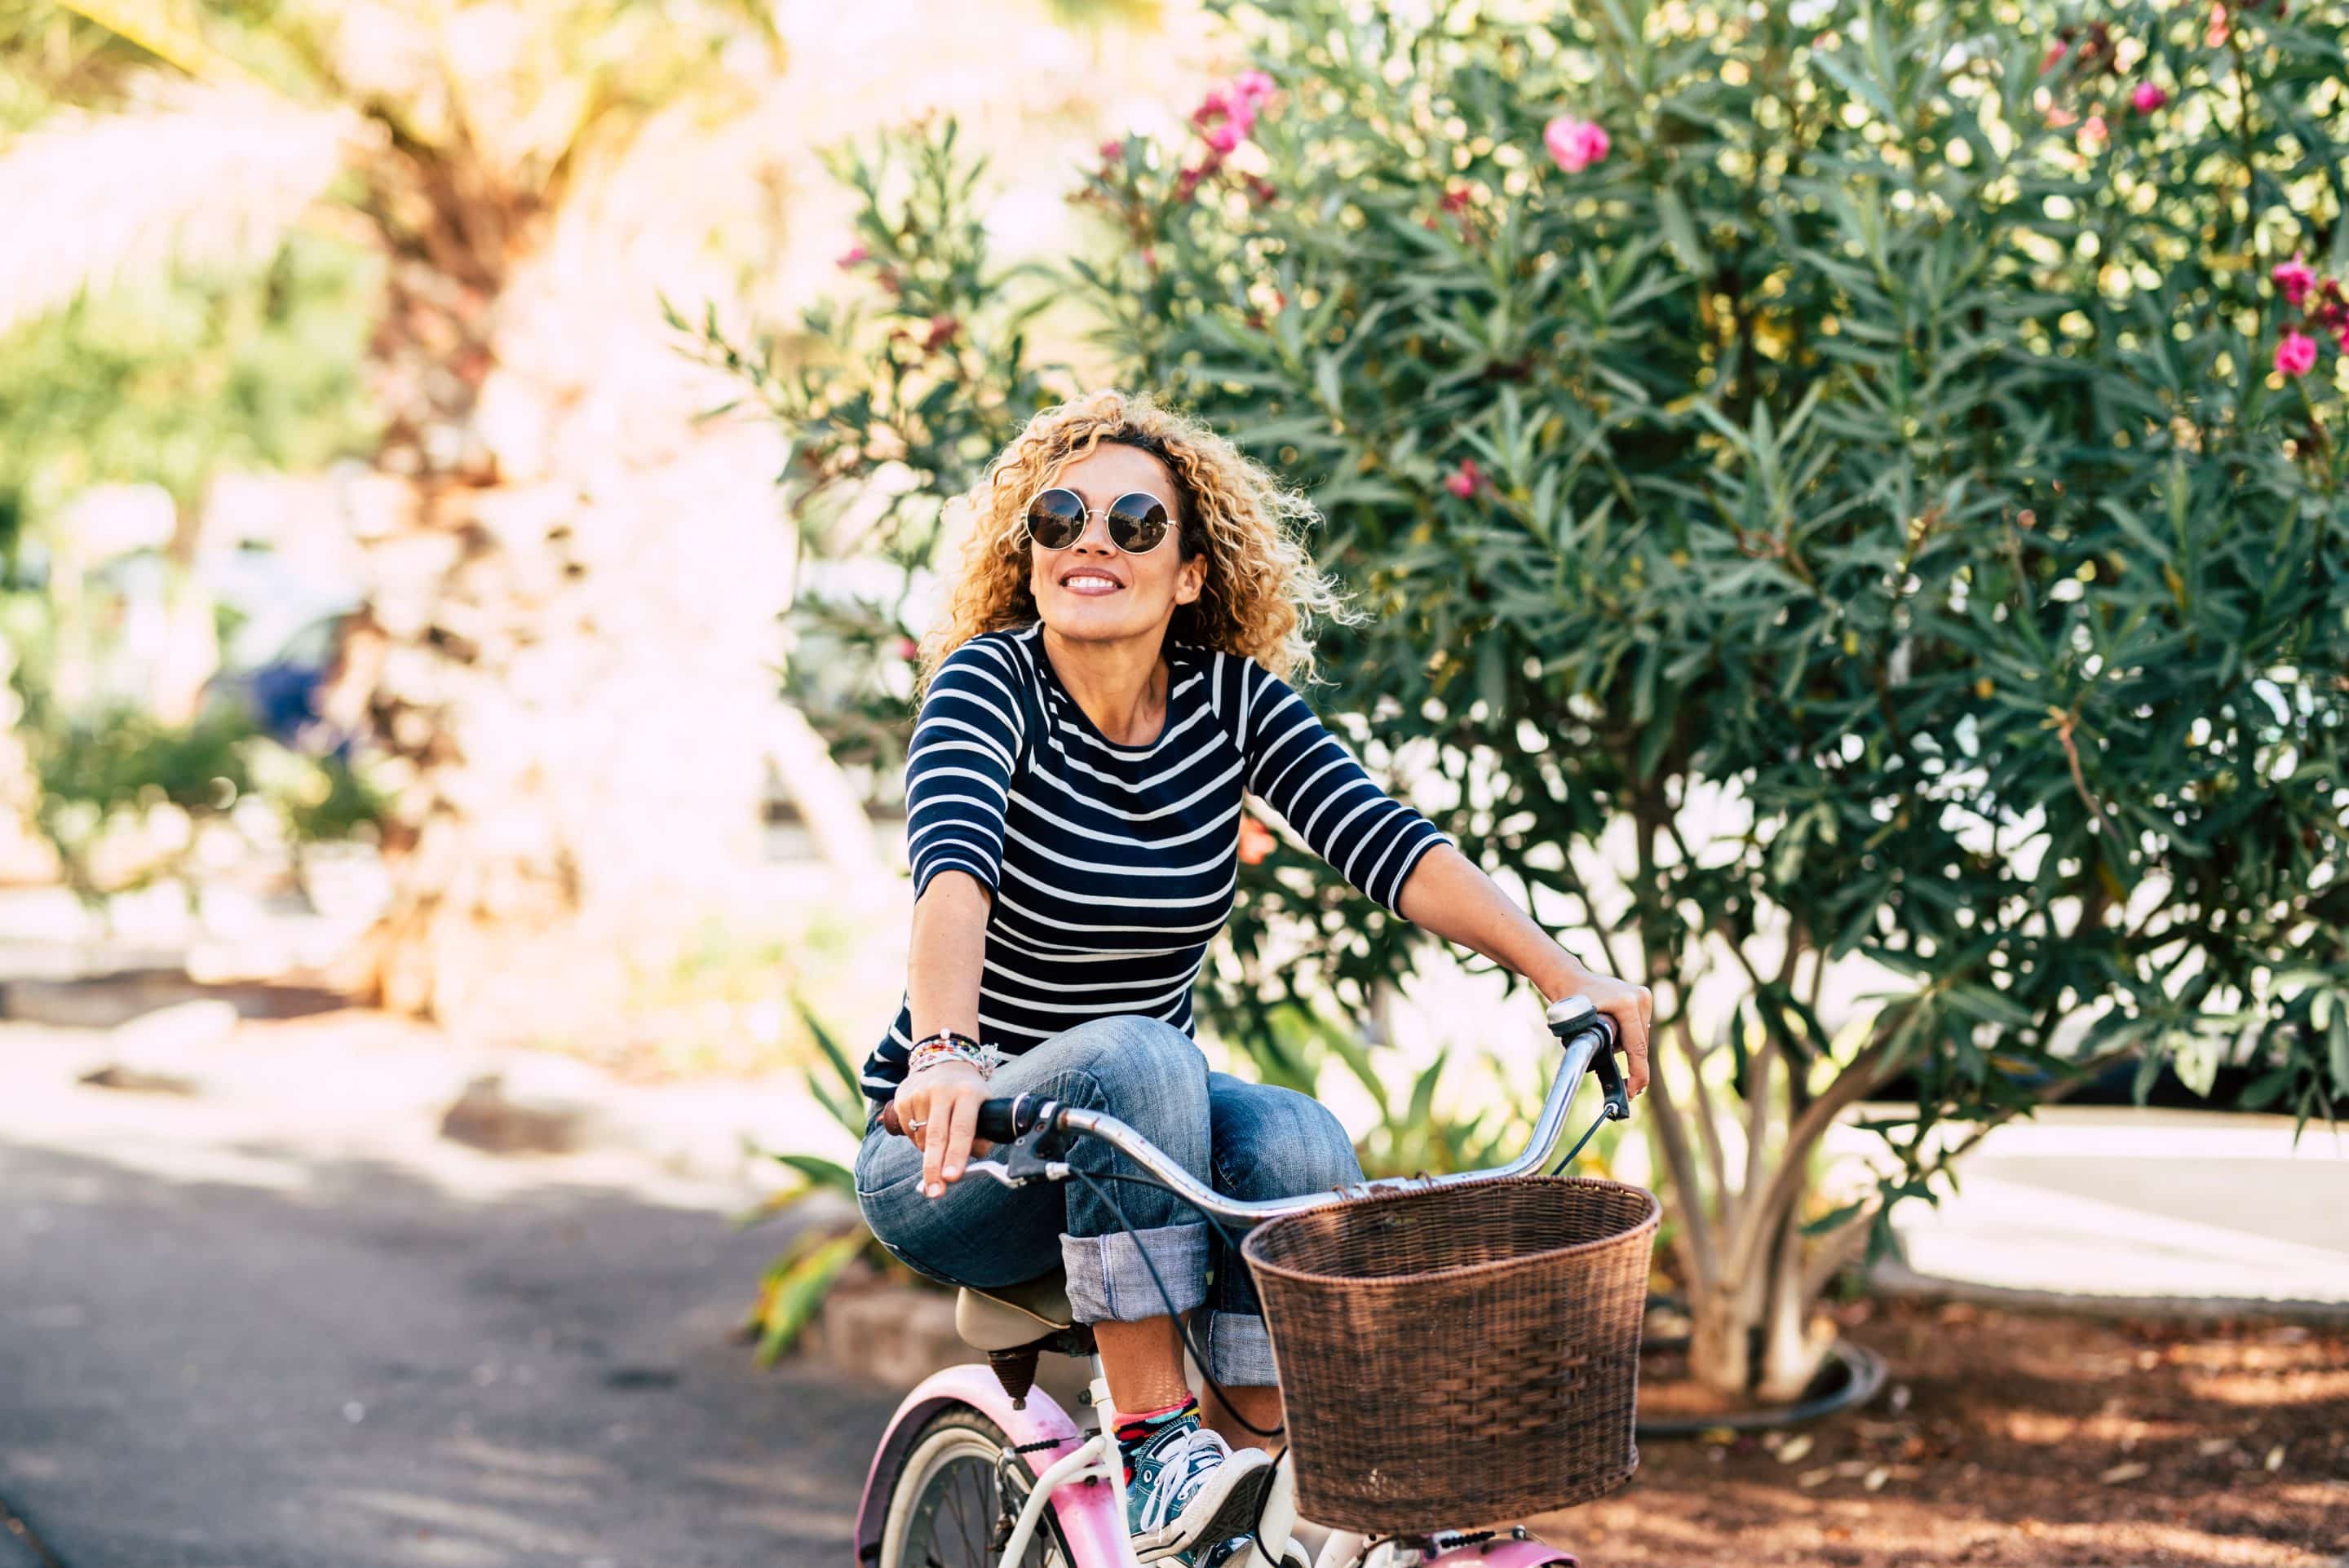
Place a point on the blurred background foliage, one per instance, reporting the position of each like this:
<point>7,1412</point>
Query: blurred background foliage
<point>1848,546</point>
<point>175,381</point>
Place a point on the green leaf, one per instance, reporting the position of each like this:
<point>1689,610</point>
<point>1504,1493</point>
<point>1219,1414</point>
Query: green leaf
<point>1680,231</point>
<point>797,1288</point>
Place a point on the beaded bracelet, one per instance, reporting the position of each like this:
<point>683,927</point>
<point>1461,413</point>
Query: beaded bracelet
<point>946,1046</point>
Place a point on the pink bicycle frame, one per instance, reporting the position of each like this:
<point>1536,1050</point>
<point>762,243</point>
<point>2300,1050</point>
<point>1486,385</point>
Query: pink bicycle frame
<point>1088,1516</point>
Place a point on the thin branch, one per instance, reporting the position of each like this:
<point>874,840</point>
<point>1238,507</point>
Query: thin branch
<point>2064,730</point>
<point>1757,1114</point>
<point>1850,1086</point>
<point>1701,1254</point>
<point>1708,1125</point>
<point>1581,890</point>
<point>1833,1248</point>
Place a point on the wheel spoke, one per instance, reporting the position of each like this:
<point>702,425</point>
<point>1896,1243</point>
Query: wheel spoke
<point>958,1499</point>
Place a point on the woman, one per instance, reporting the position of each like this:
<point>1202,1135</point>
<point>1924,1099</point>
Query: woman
<point>1106,684</point>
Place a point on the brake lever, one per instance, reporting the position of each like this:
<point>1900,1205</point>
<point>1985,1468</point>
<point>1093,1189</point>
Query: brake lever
<point>1023,1161</point>
<point>1611,1082</point>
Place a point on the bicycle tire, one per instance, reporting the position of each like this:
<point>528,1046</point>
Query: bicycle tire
<point>944,1500</point>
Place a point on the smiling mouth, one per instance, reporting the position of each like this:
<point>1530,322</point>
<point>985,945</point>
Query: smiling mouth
<point>1090,582</point>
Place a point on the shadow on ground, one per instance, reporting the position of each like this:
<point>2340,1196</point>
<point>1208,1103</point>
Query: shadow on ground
<point>362,1369</point>
<point>2014,1439</point>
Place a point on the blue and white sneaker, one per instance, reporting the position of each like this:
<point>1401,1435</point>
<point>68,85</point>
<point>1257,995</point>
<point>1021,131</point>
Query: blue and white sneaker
<point>1190,1489</point>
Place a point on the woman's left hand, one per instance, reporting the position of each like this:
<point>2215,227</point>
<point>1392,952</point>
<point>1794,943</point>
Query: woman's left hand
<point>1633,1008</point>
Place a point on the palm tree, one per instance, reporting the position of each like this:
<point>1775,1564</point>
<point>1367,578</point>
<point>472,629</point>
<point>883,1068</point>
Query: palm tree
<point>567,647</point>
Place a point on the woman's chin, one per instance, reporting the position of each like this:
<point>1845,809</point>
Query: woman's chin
<point>1105,620</point>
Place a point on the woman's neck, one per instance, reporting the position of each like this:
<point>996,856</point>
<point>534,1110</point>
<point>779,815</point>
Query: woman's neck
<point>1120,685</point>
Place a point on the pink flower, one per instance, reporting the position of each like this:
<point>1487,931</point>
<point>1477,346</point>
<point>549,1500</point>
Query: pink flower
<point>1253,87</point>
<point>1575,144</point>
<point>1110,151</point>
<point>2056,53</point>
<point>1456,199</point>
<point>2296,355</point>
<point>907,648</point>
<point>1463,482</point>
<point>853,255</point>
<point>1215,106</point>
<point>2092,131</point>
<point>2294,278</point>
<point>2331,306</point>
<point>1225,136</point>
<point>2147,98</point>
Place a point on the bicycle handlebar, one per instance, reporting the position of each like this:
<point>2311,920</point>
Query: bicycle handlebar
<point>1587,1035</point>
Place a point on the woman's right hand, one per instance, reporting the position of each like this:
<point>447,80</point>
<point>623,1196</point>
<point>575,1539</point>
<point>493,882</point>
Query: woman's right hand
<point>938,1107</point>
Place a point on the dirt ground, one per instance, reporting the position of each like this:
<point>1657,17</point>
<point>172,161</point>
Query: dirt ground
<point>2019,1439</point>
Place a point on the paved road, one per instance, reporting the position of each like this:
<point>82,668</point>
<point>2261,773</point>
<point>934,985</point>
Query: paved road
<point>2122,1205</point>
<point>222,1349</point>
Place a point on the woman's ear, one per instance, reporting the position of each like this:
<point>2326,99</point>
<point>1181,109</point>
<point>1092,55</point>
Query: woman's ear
<point>1191,580</point>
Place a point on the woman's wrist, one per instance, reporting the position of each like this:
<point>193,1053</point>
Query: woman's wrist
<point>1561,977</point>
<point>946,1045</point>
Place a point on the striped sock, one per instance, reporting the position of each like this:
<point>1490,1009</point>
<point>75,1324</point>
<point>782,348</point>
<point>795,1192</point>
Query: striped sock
<point>1135,1432</point>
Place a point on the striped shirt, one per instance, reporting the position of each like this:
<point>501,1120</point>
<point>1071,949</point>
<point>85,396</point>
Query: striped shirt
<point>1111,867</point>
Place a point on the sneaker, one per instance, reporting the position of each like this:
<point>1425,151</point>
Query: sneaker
<point>1189,1488</point>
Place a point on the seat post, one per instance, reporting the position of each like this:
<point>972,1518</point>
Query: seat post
<point>1105,1430</point>
<point>1016,1370</point>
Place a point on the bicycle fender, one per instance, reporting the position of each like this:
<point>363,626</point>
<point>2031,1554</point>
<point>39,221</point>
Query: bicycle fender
<point>1505,1554</point>
<point>1087,1515</point>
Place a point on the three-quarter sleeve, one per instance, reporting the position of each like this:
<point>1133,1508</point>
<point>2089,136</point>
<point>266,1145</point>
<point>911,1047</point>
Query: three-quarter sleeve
<point>966,744</point>
<point>1302,772</point>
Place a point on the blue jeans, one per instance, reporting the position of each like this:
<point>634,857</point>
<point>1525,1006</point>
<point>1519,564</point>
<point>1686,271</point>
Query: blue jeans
<point>1247,1140</point>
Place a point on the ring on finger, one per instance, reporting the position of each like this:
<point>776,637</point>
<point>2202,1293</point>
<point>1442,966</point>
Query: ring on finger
<point>918,1125</point>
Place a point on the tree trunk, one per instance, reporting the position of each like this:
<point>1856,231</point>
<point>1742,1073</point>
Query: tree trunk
<point>1795,1341</point>
<point>1721,1341</point>
<point>571,643</point>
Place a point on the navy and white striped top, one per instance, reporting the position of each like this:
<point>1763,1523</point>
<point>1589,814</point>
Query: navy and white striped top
<point>1113,866</point>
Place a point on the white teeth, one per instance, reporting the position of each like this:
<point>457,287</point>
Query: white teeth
<point>1073,581</point>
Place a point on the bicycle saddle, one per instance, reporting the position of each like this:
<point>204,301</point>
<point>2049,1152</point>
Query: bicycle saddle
<point>1015,1323</point>
<point>1008,1317</point>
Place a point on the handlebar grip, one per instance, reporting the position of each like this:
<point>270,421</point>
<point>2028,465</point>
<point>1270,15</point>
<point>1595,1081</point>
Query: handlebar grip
<point>1003,1121</point>
<point>999,1120</point>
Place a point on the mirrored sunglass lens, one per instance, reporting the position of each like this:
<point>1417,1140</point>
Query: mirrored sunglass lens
<point>1056,519</point>
<point>1137,522</point>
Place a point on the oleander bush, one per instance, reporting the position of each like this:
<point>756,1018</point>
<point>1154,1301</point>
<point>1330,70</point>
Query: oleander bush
<point>1838,488</point>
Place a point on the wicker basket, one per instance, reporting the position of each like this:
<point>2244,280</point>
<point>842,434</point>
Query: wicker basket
<point>1461,1356</point>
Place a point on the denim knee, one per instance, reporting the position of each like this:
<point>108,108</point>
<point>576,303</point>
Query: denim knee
<point>1274,1142</point>
<point>1139,1062</point>
<point>1151,1076</point>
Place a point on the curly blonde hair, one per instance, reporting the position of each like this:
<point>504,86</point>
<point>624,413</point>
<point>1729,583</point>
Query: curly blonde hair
<point>1262,593</point>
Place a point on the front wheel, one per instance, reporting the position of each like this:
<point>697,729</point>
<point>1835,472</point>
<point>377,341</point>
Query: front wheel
<point>948,1507</point>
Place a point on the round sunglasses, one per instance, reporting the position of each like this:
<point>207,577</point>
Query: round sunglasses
<point>1137,519</point>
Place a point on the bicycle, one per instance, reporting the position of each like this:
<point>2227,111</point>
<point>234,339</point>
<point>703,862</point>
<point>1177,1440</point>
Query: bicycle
<point>980,1469</point>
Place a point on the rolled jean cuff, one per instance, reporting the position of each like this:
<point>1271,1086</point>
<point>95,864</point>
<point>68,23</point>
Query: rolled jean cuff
<point>1239,1351</point>
<point>1108,1280</point>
